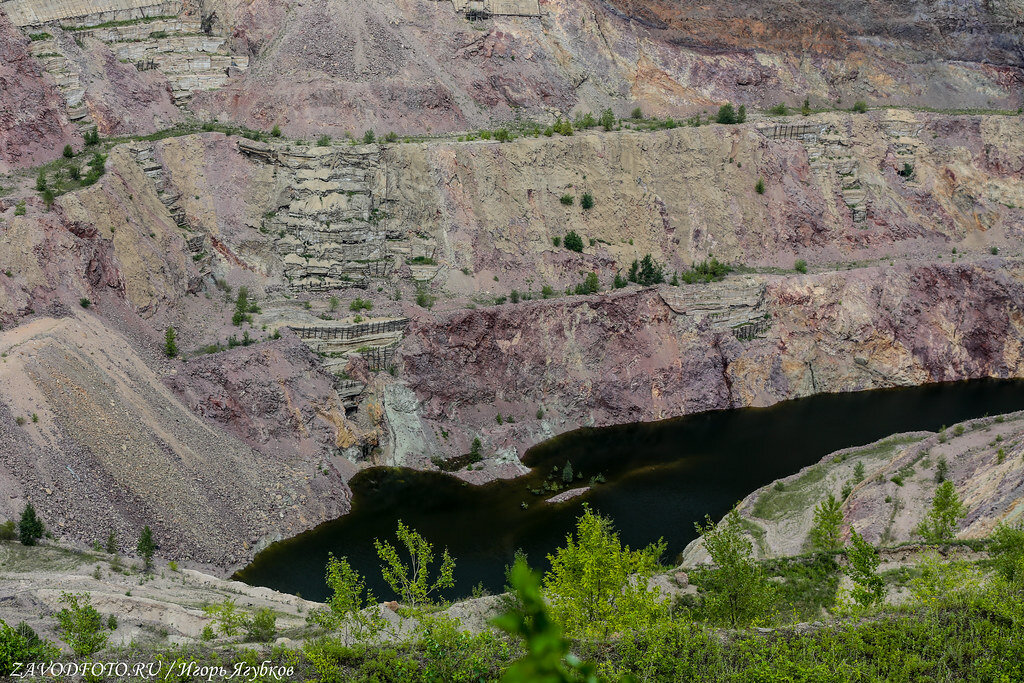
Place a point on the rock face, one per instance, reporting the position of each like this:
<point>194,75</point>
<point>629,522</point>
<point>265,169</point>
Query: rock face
<point>892,494</point>
<point>833,194</point>
<point>34,126</point>
<point>631,357</point>
<point>114,236</point>
<point>420,66</point>
<point>273,396</point>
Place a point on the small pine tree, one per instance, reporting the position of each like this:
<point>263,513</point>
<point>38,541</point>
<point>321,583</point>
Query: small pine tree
<point>858,473</point>
<point>369,136</point>
<point>939,524</point>
<point>241,313</point>
<point>567,473</point>
<point>111,546</point>
<point>170,342</point>
<point>862,569</point>
<point>146,547</point>
<point>726,114</point>
<point>607,119</point>
<point>30,528</point>
<point>759,187</point>
<point>41,181</point>
<point>68,152</point>
<point>828,519</point>
<point>741,114</point>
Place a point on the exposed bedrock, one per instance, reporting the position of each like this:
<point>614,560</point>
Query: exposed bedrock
<point>647,355</point>
<point>420,66</point>
<point>834,192</point>
<point>34,125</point>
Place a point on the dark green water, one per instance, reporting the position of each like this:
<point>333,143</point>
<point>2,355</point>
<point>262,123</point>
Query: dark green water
<point>660,478</point>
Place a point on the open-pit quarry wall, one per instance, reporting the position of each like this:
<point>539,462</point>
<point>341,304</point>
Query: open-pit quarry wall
<point>175,224</point>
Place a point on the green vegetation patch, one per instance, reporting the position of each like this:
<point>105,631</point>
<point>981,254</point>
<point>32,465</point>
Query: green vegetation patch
<point>786,498</point>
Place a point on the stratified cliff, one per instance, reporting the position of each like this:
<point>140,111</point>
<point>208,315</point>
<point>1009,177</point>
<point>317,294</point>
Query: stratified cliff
<point>34,125</point>
<point>417,66</point>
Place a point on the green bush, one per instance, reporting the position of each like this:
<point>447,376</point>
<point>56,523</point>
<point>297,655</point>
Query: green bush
<point>759,186</point>
<point>590,285</point>
<point>68,152</point>
<point>638,114</point>
<point>424,299</point>
<point>779,110</point>
<point>567,199</point>
<point>262,627</point>
<point>146,547</point>
<point>860,106</point>
<point>81,626</point>
<point>369,136</point>
<point>573,242</point>
<point>800,266</point>
<point>607,119</point>
<point>597,586</point>
<point>726,114</point>
<point>411,581</point>
<point>325,141</point>
<point>359,304</point>
<point>708,270</point>
<point>276,131</point>
<point>20,645</point>
<point>646,271</point>
<point>84,302</point>
<point>587,201</point>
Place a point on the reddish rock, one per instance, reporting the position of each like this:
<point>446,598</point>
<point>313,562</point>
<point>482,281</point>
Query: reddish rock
<point>34,125</point>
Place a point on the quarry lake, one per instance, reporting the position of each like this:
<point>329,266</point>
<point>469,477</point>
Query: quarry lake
<point>660,478</point>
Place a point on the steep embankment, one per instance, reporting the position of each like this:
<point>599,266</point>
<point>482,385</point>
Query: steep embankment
<point>892,492</point>
<point>420,66</point>
<point>34,125</point>
<point>95,440</point>
<point>669,351</point>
